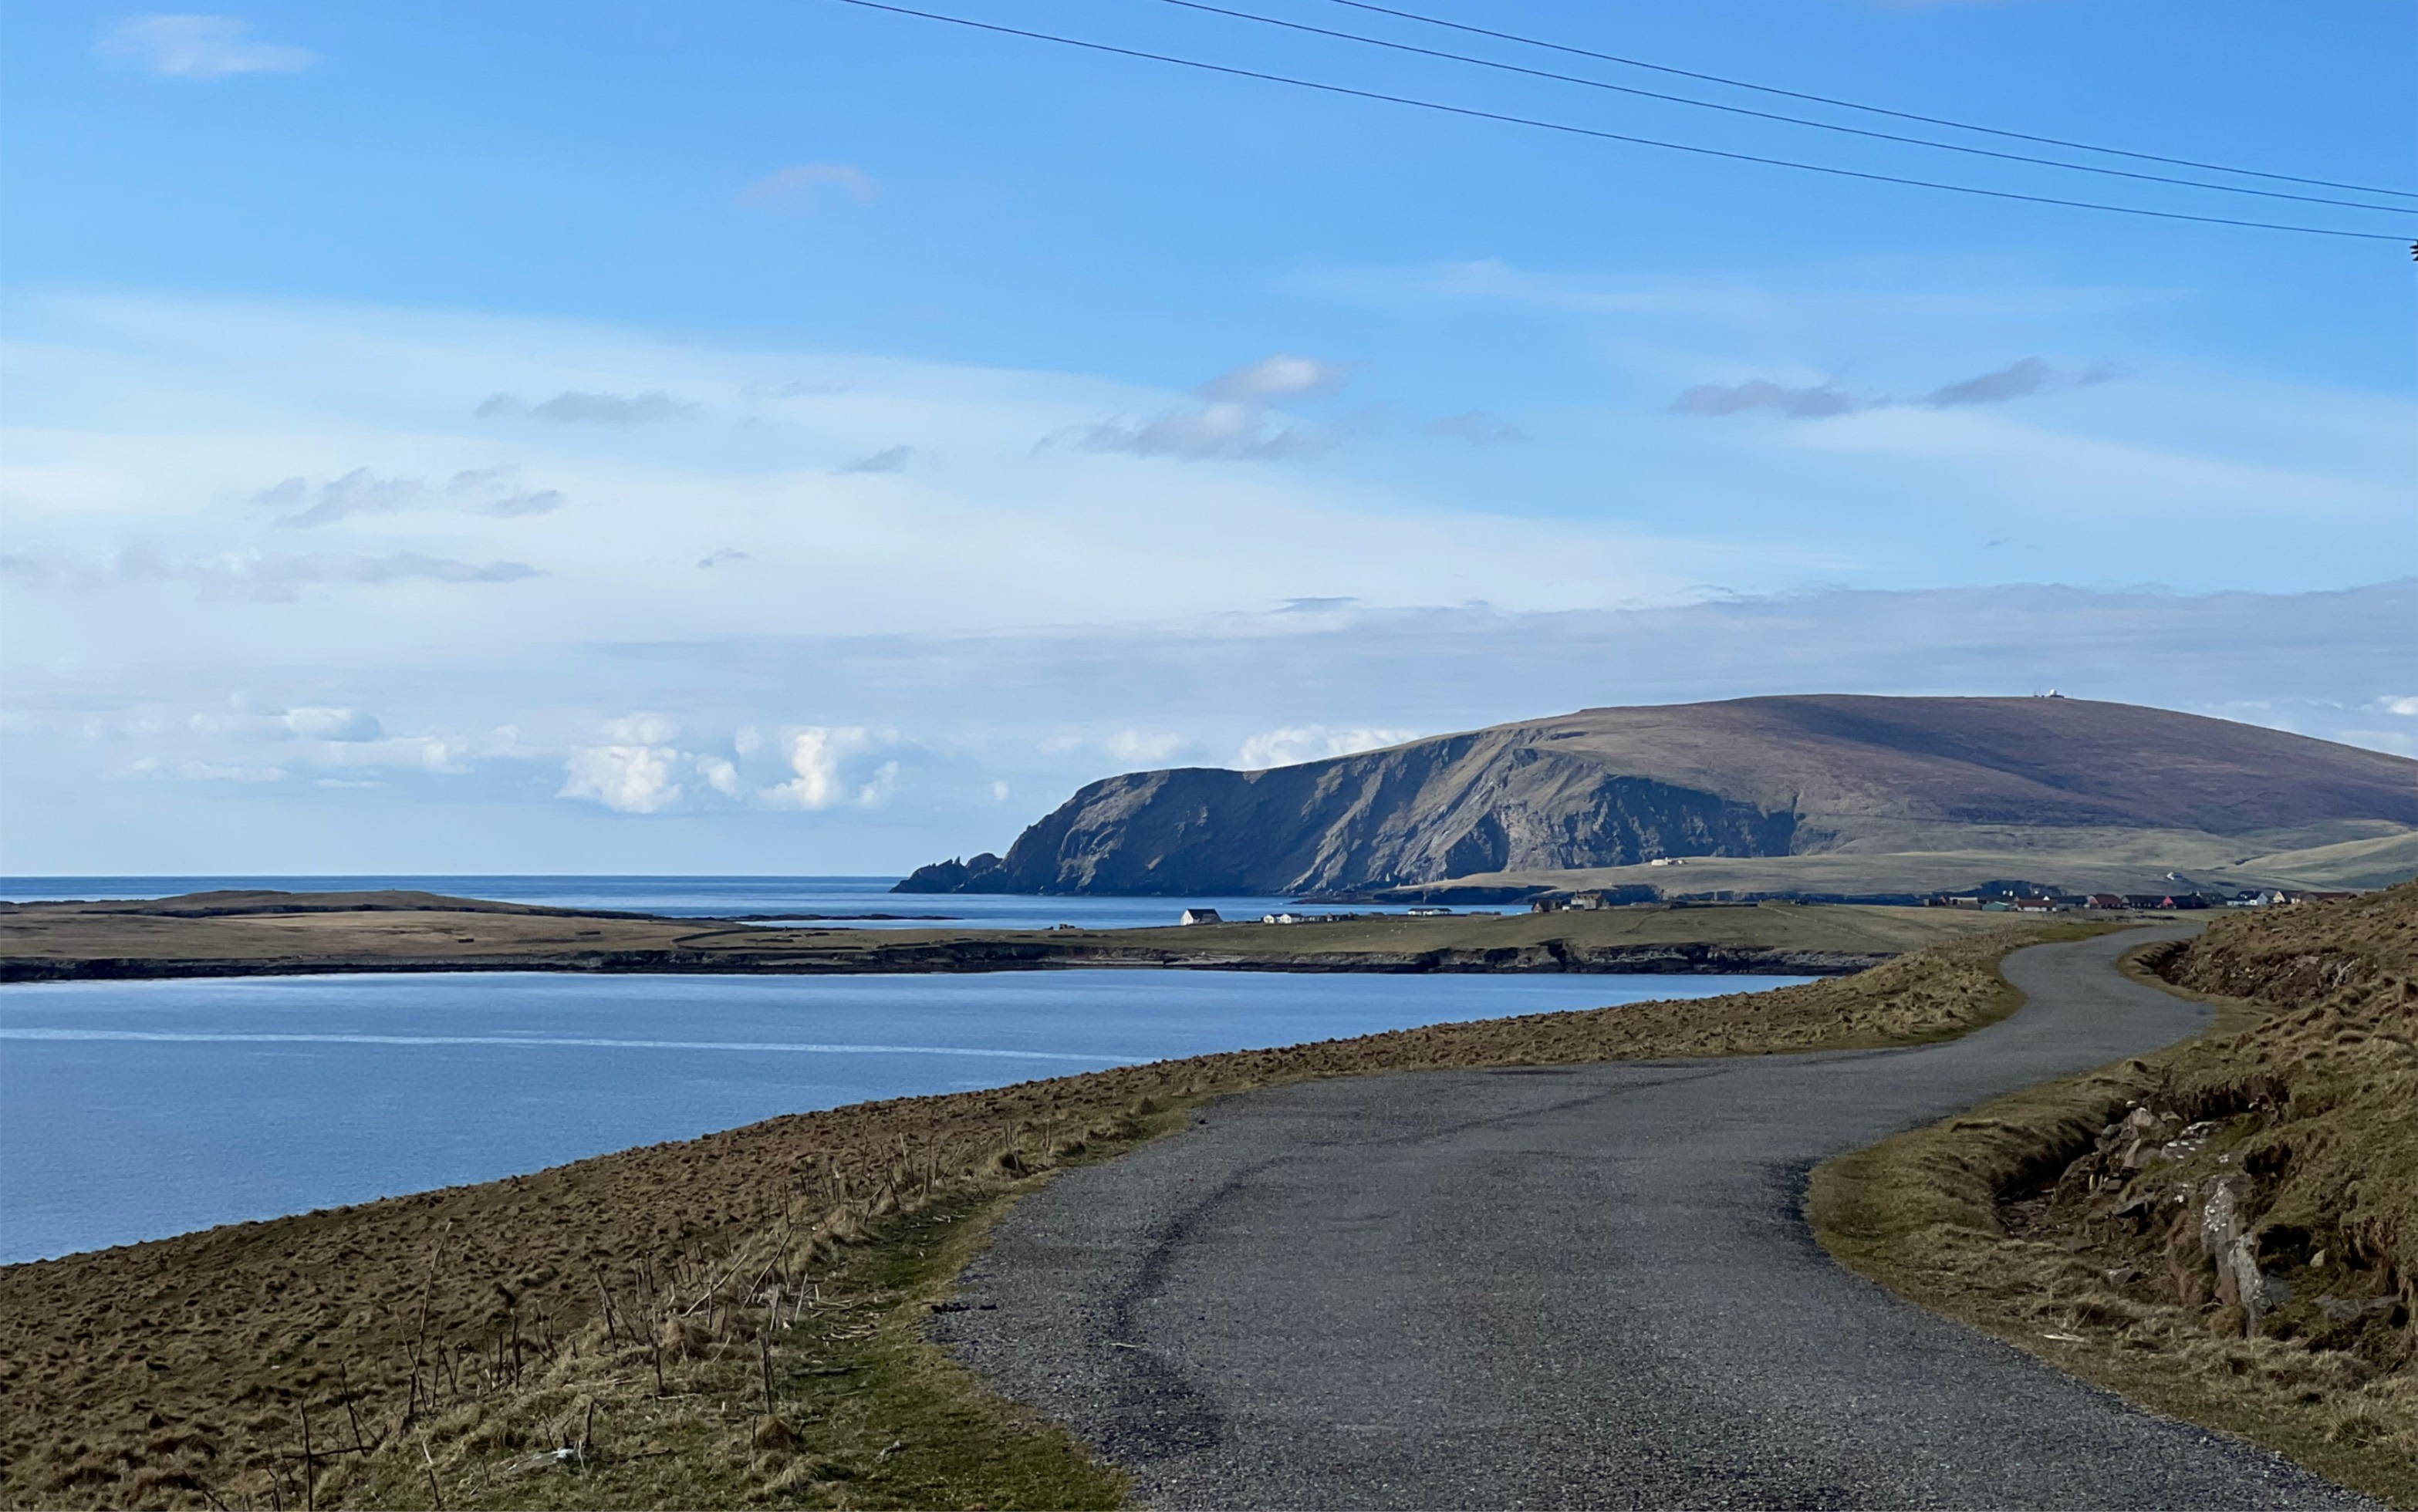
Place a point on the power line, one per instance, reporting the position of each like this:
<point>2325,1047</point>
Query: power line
<point>1569,129</point>
<point>1876,110</point>
<point>1773,115</point>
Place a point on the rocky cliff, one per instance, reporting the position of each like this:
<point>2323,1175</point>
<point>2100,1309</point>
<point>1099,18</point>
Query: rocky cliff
<point>1747,777</point>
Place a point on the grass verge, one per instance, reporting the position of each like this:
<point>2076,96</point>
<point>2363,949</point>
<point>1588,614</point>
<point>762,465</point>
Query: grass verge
<point>2224,1231</point>
<point>719,1321</point>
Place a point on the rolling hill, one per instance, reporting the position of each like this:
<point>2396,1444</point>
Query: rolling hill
<point>1854,790</point>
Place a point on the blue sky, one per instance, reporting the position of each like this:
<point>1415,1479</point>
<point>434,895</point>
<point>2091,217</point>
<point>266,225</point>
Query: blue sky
<point>804,429</point>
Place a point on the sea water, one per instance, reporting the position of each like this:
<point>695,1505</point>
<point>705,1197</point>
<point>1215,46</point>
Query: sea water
<point>133,1110</point>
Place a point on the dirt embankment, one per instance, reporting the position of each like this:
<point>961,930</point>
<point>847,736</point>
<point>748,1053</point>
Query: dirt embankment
<point>2227,1230</point>
<point>445,1346</point>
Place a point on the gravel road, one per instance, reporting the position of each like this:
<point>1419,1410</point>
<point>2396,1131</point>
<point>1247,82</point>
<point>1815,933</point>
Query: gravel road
<point>1570,1287</point>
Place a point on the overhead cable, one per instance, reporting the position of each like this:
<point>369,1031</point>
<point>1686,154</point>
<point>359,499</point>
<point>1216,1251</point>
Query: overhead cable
<point>1774,115</point>
<point>1874,110</point>
<point>1568,128</point>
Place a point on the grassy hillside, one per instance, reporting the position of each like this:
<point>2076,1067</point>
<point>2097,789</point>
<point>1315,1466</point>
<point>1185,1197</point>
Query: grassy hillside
<point>725,1320</point>
<point>1746,778</point>
<point>2229,1230</point>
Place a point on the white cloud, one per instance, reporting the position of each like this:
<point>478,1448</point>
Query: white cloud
<point>815,753</point>
<point>719,774</point>
<point>1281,376</point>
<point>846,766</point>
<point>800,187</point>
<point>629,779</point>
<point>1294,745</point>
<point>186,46</point>
<point>2407,708</point>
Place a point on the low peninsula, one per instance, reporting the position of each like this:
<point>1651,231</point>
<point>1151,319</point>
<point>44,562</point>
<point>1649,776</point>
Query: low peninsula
<point>273,934</point>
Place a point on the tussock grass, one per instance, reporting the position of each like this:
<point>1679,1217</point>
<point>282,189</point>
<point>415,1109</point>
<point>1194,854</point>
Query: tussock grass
<point>451,1346</point>
<point>2081,1220</point>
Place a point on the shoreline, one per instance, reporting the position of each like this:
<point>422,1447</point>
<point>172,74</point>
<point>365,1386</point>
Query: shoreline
<point>1644,961</point>
<point>283,934</point>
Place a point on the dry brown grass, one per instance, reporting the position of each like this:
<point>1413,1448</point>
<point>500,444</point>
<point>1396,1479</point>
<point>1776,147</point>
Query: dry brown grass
<point>260,933</point>
<point>2229,1230</point>
<point>468,1325</point>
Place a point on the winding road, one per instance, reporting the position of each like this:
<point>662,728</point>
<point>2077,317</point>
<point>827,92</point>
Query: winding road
<point>1575,1285</point>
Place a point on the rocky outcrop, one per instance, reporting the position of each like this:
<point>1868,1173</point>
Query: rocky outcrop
<point>1749,777</point>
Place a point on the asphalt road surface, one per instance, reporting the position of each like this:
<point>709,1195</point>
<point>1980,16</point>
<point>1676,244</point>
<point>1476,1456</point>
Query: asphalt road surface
<point>1586,1286</point>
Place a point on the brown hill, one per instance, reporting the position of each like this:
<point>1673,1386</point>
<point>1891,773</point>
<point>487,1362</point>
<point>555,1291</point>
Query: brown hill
<point>1750,777</point>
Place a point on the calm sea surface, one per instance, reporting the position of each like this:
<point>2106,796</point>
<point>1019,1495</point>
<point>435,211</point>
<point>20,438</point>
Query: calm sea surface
<point>691,897</point>
<point>136,1109</point>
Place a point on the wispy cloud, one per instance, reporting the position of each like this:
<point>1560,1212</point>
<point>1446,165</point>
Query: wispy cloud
<point>651,407</point>
<point>1816,401</point>
<point>1281,376</point>
<point>1294,745</point>
<point>2018,380</point>
<point>1476,427</point>
<point>727,554</point>
<point>273,578</point>
<point>801,185</point>
<point>893,459</point>
<point>358,492</point>
<point>186,46</point>
<point>1234,422</point>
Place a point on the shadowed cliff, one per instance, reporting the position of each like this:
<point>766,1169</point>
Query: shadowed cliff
<point>1749,777</point>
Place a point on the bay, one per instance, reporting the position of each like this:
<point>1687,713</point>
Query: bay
<point>133,1110</point>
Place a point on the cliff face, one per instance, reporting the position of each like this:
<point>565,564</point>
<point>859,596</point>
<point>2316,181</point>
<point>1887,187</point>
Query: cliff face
<point>1750,777</point>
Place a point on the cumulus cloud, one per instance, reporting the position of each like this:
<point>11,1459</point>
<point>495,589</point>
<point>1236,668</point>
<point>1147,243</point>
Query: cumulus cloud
<point>846,766</point>
<point>800,187</point>
<point>893,459</point>
<point>186,46</point>
<point>1817,401</point>
<point>627,779</point>
<point>1294,745</point>
<point>358,492</point>
<point>1476,427</point>
<point>814,755</point>
<point>1234,420</point>
<point>635,770</point>
<point>574,407</point>
<point>2407,708</point>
